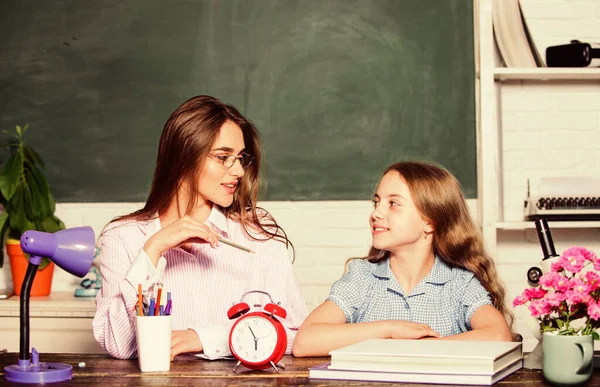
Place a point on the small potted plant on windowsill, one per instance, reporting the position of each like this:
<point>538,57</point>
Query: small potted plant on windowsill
<point>28,205</point>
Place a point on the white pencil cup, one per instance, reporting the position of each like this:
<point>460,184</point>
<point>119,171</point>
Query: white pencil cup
<point>153,336</point>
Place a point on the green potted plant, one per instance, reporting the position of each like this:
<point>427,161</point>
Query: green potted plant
<point>28,205</point>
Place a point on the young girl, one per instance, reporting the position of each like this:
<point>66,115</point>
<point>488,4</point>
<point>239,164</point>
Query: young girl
<point>205,188</point>
<point>427,274</point>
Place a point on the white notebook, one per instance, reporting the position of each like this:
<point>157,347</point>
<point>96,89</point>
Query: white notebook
<point>324,372</point>
<point>389,355</point>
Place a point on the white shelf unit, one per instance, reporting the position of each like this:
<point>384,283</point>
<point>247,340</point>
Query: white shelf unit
<point>489,148</point>
<point>530,225</point>
<point>546,74</point>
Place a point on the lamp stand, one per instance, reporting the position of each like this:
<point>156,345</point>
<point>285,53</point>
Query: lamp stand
<point>27,370</point>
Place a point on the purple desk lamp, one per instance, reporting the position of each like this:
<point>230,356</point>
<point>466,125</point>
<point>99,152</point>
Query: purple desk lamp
<point>72,250</point>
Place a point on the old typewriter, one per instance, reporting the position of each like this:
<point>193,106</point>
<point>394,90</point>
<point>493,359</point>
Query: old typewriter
<point>565,198</point>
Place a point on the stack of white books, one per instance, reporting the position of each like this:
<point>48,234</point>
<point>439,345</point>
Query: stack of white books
<point>423,361</point>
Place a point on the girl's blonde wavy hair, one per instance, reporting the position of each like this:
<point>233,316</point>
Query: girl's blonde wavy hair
<point>456,239</point>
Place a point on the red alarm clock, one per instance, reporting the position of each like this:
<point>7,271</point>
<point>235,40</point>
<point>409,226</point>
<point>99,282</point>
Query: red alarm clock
<point>258,339</point>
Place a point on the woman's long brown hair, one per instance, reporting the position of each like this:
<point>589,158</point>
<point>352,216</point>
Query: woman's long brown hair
<point>186,140</point>
<point>456,238</point>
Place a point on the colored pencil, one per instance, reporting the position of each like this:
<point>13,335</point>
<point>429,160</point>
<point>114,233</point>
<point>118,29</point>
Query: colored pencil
<point>151,308</point>
<point>168,307</point>
<point>158,296</point>
<point>140,308</point>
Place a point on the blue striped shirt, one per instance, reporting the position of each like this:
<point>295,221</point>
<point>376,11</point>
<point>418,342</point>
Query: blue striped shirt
<point>445,299</point>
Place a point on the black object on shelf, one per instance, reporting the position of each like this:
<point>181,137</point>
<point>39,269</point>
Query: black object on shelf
<point>574,54</point>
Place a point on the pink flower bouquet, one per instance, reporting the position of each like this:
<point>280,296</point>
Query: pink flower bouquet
<point>569,292</point>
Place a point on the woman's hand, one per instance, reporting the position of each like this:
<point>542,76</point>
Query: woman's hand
<point>400,329</point>
<point>184,341</point>
<point>182,231</point>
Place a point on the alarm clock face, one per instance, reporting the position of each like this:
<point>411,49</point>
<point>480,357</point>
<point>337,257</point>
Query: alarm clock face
<point>253,339</point>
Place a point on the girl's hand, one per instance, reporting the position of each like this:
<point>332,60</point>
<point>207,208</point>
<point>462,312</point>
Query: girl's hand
<point>400,329</point>
<point>184,341</point>
<point>183,231</point>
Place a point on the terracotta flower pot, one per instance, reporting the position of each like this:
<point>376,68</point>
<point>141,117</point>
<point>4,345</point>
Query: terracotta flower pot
<point>42,282</point>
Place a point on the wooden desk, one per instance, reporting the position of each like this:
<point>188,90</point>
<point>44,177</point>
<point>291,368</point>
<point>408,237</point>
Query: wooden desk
<point>102,370</point>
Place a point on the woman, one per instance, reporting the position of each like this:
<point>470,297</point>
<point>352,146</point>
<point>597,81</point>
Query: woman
<point>205,188</point>
<point>427,274</point>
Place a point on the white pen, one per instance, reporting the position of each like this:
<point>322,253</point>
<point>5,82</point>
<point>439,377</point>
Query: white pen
<point>230,243</point>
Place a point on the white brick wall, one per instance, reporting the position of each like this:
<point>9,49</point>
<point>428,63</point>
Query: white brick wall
<point>554,22</point>
<point>325,235</point>
<point>550,129</point>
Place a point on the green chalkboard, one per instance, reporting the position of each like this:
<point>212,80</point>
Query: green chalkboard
<point>338,89</point>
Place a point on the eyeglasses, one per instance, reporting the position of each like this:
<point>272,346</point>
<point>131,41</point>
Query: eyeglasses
<point>228,160</point>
